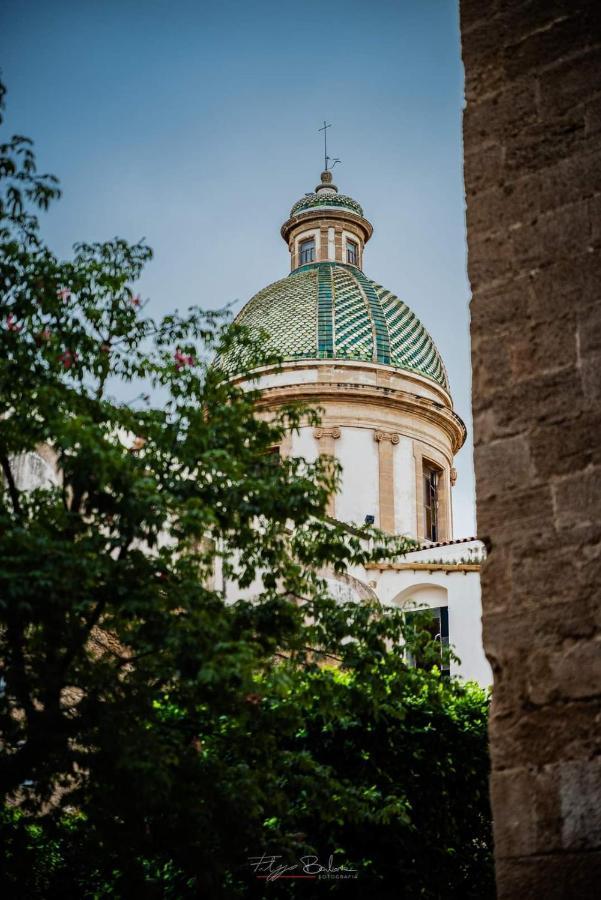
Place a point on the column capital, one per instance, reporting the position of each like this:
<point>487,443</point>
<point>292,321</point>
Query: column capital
<point>391,436</point>
<point>333,432</point>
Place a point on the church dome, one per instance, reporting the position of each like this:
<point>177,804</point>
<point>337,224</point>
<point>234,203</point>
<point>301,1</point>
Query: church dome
<point>327,308</point>
<point>330,310</point>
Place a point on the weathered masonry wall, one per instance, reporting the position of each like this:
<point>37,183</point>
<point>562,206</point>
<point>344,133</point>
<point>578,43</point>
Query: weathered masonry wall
<point>532,134</point>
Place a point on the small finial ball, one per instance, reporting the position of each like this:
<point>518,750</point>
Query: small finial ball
<point>326,177</point>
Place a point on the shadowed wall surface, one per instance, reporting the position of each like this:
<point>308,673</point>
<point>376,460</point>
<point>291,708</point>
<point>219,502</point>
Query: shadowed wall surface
<point>532,134</point>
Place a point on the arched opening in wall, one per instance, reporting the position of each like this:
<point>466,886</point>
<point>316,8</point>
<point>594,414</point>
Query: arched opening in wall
<point>423,594</point>
<point>433,599</point>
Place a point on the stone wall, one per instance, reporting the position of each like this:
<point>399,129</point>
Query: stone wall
<point>532,133</point>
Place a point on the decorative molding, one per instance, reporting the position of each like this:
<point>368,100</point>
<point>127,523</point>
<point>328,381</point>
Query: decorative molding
<point>424,567</point>
<point>392,400</point>
<point>333,432</point>
<point>391,436</point>
<point>453,474</point>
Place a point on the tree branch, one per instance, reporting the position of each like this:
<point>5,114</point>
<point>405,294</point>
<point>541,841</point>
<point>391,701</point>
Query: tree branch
<point>12,487</point>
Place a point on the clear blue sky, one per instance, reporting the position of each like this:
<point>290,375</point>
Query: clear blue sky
<point>194,125</point>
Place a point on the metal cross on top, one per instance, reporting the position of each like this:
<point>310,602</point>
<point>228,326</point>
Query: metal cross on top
<point>325,142</point>
<point>326,158</point>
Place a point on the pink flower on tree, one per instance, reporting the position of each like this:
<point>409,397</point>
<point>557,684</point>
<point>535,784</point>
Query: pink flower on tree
<point>135,300</point>
<point>68,358</point>
<point>11,323</point>
<point>63,293</point>
<point>181,359</point>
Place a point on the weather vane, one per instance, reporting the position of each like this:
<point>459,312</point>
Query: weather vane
<point>326,158</point>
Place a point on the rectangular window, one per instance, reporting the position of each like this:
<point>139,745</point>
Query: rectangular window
<point>352,253</point>
<point>431,477</point>
<point>307,251</point>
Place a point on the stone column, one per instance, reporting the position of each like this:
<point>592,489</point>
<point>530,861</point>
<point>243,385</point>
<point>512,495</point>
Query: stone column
<point>326,438</point>
<point>532,143</point>
<point>386,441</point>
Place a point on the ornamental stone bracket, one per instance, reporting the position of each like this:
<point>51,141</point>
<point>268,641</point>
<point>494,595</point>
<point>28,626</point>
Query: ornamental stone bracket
<point>386,441</point>
<point>453,474</point>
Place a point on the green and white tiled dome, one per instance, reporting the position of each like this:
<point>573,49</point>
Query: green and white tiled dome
<point>326,201</point>
<point>329,310</point>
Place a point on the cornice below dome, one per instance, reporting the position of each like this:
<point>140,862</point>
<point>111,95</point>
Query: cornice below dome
<point>333,311</point>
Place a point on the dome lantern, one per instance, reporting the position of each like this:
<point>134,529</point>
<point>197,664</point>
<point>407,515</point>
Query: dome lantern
<point>325,226</point>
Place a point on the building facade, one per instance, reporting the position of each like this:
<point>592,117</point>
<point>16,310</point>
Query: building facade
<point>356,351</point>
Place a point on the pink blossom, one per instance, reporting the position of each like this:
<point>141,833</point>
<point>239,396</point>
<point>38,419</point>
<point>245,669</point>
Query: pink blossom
<point>63,293</point>
<point>181,359</point>
<point>11,323</point>
<point>135,300</point>
<point>68,358</point>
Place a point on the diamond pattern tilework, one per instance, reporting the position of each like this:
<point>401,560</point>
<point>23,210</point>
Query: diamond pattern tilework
<point>333,311</point>
<point>410,344</point>
<point>325,318</point>
<point>354,329</point>
<point>378,317</point>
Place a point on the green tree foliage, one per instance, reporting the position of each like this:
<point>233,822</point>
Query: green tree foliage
<point>154,737</point>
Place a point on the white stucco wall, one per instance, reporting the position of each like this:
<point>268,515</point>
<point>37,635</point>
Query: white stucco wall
<point>304,444</point>
<point>357,452</point>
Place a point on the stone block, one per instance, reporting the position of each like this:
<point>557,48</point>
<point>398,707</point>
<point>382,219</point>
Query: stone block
<point>562,35</point>
<point>555,396</point>
<point>555,235</point>
<point>572,672</point>
<point>530,819</point>
<point>541,735</point>
<point>590,369</point>
<point>543,144</point>
<point>491,261</point>
<point>544,347</point>
<point>511,518</point>
<point>522,19</point>
<point>491,364</point>
<point>556,290</point>
<point>483,167</point>
<point>502,114</point>
<point>552,876</point>
<point>507,464</point>
<point>592,117</point>
<point>577,499</point>
<point>580,795</point>
<point>498,310</point>
<point>483,60</point>
<point>546,575</point>
<point>557,450</point>
<point>571,81</point>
